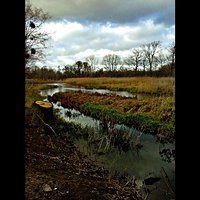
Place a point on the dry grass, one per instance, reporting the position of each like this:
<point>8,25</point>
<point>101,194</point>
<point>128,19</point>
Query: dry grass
<point>32,93</point>
<point>150,85</point>
<point>33,88</point>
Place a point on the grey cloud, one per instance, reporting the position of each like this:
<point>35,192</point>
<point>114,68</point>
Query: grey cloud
<point>127,16</point>
<point>168,17</point>
<point>117,11</point>
<point>95,39</point>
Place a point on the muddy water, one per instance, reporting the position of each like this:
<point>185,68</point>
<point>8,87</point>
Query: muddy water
<point>141,164</point>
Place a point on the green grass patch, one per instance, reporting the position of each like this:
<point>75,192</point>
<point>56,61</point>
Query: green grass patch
<point>140,121</point>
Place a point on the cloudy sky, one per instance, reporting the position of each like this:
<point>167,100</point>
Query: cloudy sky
<point>80,28</point>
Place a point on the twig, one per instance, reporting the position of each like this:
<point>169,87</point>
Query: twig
<point>52,146</point>
<point>46,124</point>
<point>167,181</point>
<point>47,156</point>
<point>100,143</point>
<point>146,197</point>
<point>107,143</point>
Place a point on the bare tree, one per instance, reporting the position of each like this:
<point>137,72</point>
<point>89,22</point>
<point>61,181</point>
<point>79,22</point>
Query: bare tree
<point>35,38</point>
<point>86,68</point>
<point>111,61</point>
<point>92,61</point>
<point>69,70</point>
<point>144,63</point>
<point>160,59</point>
<point>135,59</point>
<point>150,50</point>
<point>171,58</point>
<point>79,67</point>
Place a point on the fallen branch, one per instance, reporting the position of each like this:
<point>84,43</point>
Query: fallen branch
<point>47,156</point>
<point>167,182</point>
<point>46,124</point>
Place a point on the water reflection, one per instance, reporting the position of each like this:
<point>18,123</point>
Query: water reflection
<point>63,88</point>
<point>140,164</point>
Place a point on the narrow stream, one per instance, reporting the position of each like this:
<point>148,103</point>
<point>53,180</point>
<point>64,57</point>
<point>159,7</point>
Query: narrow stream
<point>63,88</point>
<point>141,164</point>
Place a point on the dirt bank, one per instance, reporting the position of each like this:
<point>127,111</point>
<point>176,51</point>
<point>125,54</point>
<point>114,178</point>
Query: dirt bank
<point>56,170</point>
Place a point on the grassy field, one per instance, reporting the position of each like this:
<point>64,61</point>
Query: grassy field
<point>147,85</point>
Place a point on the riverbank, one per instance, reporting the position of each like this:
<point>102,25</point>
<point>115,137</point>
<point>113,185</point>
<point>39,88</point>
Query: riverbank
<point>55,169</point>
<point>154,116</point>
<point>146,85</point>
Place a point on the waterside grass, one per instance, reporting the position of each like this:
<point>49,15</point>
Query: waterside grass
<point>140,121</point>
<point>32,91</point>
<point>147,85</point>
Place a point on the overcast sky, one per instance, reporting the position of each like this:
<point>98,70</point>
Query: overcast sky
<point>80,28</point>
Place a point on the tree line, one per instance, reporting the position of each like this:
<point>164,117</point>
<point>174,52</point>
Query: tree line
<point>147,59</point>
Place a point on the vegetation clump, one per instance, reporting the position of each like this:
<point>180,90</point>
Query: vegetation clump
<point>152,116</point>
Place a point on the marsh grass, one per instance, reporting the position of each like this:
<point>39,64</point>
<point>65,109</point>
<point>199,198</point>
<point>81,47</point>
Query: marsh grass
<point>161,107</point>
<point>147,85</point>
<point>141,121</point>
<point>31,94</point>
<point>155,115</point>
<point>32,91</point>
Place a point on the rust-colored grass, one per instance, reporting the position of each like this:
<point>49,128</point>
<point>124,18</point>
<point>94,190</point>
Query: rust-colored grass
<point>162,107</point>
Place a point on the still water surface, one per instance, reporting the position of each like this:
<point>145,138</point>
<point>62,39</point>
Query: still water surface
<point>139,164</point>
